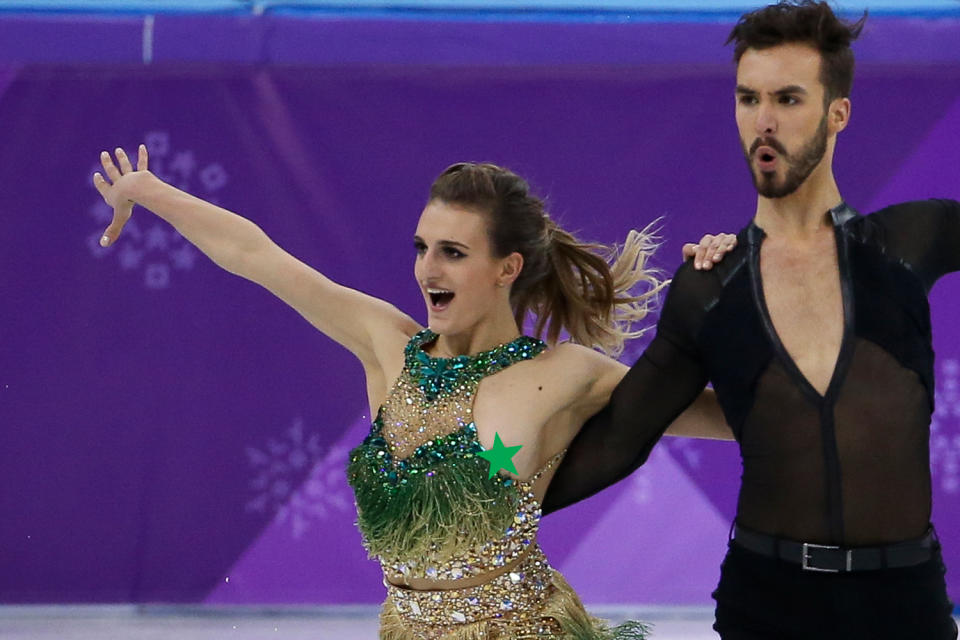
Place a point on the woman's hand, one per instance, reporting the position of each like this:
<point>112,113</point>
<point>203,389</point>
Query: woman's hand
<point>709,250</point>
<point>117,190</point>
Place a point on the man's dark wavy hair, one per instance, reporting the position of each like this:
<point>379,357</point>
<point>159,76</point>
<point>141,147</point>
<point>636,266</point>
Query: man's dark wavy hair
<point>805,22</point>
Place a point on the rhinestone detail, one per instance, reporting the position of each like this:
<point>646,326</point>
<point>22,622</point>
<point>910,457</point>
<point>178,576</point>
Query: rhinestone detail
<point>425,423</point>
<point>515,602</point>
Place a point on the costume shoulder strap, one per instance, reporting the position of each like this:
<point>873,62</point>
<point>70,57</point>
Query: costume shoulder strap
<point>550,464</point>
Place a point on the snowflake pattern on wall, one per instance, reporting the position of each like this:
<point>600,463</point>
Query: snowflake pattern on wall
<point>298,482</point>
<point>148,244</point>
<point>642,481</point>
<point>945,428</point>
<point>687,451</point>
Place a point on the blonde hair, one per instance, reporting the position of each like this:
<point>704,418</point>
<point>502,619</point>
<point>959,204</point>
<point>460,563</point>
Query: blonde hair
<point>583,288</point>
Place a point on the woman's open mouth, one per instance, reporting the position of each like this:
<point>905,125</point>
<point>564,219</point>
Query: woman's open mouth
<point>439,298</point>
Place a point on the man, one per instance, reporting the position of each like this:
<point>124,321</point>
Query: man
<point>815,333</point>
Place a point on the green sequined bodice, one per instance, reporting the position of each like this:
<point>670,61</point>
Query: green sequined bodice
<point>425,504</point>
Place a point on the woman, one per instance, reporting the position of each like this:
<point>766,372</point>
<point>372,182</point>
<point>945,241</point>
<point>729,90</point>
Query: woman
<point>455,535</point>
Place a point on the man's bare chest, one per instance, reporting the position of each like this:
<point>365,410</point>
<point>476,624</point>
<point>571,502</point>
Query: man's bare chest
<point>804,301</point>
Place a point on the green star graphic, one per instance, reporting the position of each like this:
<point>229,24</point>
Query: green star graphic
<point>500,457</point>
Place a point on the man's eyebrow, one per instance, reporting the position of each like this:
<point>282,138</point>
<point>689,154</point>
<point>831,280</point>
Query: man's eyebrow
<point>793,88</point>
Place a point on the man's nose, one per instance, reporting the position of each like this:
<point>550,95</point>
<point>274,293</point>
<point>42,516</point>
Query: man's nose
<point>766,121</point>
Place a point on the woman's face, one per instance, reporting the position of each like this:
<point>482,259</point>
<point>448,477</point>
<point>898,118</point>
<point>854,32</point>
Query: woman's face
<point>455,268</point>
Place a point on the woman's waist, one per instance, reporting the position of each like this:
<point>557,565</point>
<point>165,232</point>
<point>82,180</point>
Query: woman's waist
<point>458,573</point>
<point>470,555</point>
<point>519,586</point>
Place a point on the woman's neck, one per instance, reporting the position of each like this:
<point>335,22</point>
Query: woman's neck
<point>480,338</point>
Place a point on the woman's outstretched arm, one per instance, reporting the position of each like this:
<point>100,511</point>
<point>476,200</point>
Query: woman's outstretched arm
<point>365,325</point>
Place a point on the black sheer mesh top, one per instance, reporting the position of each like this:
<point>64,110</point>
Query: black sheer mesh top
<point>848,467</point>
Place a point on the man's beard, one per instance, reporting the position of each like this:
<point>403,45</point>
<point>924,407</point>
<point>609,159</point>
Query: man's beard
<point>800,166</point>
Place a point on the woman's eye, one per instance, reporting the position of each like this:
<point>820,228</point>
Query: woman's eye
<point>420,248</point>
<point>453,253</point>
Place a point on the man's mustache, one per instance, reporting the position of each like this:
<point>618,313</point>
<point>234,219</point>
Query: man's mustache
<point>773,143</point>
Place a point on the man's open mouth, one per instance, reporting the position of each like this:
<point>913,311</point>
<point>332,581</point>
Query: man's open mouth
<point>767,158</point>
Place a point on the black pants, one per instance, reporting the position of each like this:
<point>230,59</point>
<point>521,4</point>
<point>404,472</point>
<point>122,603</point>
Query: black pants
<point>762,598</point>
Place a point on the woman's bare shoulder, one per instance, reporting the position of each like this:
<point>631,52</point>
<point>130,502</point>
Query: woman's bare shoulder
<point>578,360</point>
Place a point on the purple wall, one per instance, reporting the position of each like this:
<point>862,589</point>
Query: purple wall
<point>172,433</point>
<point>431,38</point>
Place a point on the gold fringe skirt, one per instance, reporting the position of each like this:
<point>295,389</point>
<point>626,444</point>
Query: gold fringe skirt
<point>533,601</point>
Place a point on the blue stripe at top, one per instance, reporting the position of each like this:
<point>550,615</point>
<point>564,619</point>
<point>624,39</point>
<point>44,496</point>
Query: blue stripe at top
<point>606,11</point>
<point>568,16</point>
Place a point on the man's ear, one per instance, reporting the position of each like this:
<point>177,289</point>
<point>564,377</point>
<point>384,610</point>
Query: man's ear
<point>838,115</point>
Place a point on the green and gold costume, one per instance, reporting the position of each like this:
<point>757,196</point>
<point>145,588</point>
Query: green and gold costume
<point>427,509</point>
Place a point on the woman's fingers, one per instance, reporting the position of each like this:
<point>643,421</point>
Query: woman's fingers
<point>712,251</point>
<point>123,161</point>
<point>709,250</point>
<point>103,187</point>
<point>702,259</point>
<point>697,251</point>
<point>120,216</point>
<point>108,167</point>
<point>111,169</point>
<point>725,243</point>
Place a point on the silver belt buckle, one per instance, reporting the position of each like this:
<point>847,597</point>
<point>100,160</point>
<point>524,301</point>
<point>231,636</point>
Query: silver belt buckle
<point>804,560</point>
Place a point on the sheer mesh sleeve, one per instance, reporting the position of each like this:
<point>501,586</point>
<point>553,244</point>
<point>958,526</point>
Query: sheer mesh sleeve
<point>663,382</point>
<point>924,234</point>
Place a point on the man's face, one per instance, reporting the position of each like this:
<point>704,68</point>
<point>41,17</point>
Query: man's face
<point>781,116</point>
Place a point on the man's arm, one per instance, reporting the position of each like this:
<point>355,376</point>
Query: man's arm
<point>945,255</point>
<point>665,380</point>
<point>925,235</point>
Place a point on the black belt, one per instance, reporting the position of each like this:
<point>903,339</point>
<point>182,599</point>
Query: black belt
<point>831,559</point>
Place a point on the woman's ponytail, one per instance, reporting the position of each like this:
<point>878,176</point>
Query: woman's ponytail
<point>585,289</point>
